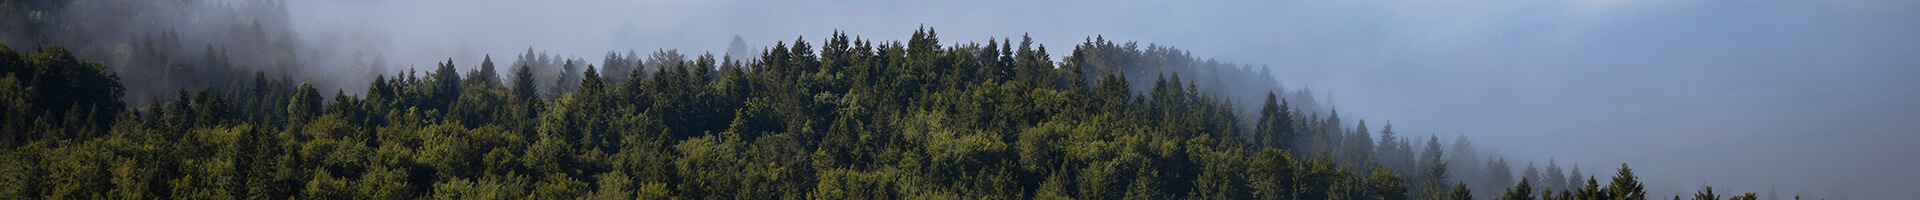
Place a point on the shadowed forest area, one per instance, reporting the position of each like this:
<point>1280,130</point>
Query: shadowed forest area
<point>245,116</point>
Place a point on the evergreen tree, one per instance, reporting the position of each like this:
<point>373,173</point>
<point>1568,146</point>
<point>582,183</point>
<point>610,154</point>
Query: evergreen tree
<point>1532,174</point>
<point>1359,147</point>
<point>1554,178</point>
<point>1521,191</point>
<point>1591,190</point>
<point>305,104</point>
<point>1573,178</point>
<point>1460,192</point>
<point>1500,175</point>
<point>1385,185</point>
<point>485,76</point>
<point>443,86</point>
<point>1626,186</point>
<point>1389,148</point>
<point>523,83</point>
<point>1706,194</point>
<point>1274,128</point>
<point>1433,167</point>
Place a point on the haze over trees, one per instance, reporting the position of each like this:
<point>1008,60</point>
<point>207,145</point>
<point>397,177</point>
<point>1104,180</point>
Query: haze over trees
<point>848,119</point>
<point>822,118</point>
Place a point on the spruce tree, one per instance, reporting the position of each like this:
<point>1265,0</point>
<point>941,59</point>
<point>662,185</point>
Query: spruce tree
<point>1521,191</point>
<point>1274,129</point>
<point>1554,178</point>
<point>1499,173</point>
<point>1532,174</point>
<point>523,83</point>
<point>1626,186</point>
<point>1573,178</point>
<point>1433,167</point>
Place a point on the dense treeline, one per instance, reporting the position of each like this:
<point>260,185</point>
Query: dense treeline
<point>847,119</point>
<point>160,47</point>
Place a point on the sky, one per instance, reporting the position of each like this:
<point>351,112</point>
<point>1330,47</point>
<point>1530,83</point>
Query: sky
<point>1807,97</point>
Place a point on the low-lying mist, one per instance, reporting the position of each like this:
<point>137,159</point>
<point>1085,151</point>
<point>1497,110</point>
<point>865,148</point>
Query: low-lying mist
<point>1790,98</point>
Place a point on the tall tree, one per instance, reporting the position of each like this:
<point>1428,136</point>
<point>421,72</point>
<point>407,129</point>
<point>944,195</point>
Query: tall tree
<point>445,85</point>
<point>1521,191</point>
<point>1626,186</point>
<point>1706,194</point>
<point>1385,185</point>
<point>1499,173</point>
<point>1359,147</point>
<point>1466,163</point>
<point>1554,178</point>
<point>485,76</point>
<point>1389,149</point>
<point>1460,192</point>
<point>1532,174</point>
<point>1433,167</point>
<point>305,104</point>
<point>1274,128</point>
<point>1573,178</point>
<point>524,83</point>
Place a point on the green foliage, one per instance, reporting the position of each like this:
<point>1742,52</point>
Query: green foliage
<point>857,120</point>
<point>1521,191</point>
<point>1706,194</point>
<point>1460,192</point>
<point>1385,185</point>
<point>1626,186</point>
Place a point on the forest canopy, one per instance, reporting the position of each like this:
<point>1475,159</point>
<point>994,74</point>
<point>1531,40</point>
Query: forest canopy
<point>838,118</point>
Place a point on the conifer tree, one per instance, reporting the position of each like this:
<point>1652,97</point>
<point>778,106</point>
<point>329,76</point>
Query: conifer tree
<point>523,83</point>
<point>1359,147</point>
<point>1274,128</point>
<point>1521,191</point>
<point>1433,167</point>
<point>1573,178</point>
<point>1500,175</point>
<point>305,104</point>
<point>1460,192</point>
<point>1626,186</point>
<point>1533,174</point>
<point>1554,178</point>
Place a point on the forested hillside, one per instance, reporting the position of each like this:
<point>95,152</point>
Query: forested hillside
<point>846,119</point>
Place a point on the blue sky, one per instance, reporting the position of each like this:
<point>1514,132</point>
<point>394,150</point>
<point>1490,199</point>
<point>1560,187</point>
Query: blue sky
<point>1813,97</point>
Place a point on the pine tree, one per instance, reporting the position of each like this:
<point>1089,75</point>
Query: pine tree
<point>305,104</point>
<point>485,76</point>
<point>1626,186</point>
<point>1360,147</point>
<point>1383,184</point>
<point>1521,191</point>
<point>1573,178</point>
<point>1460,192</point>
<point>1274,128</point>
<point>590,82</point>
<point>1590,190</point>
<point>1532,174</point>
<point>523,83</point>
<point>1433,167</point>
<point>444,86</point>
<point>1554,178</point>
<point>1389,148</point>
<point>1706,194</point>
<point>1500,175</point>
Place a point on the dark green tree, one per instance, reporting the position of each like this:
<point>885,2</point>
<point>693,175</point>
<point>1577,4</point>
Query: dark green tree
<point>1626,186</point>
<point>523,84</point>
<point>1274,129</point>
<point>1521,191</point>
<point>1460,192</point>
